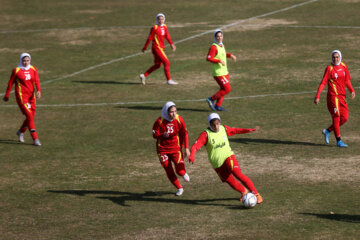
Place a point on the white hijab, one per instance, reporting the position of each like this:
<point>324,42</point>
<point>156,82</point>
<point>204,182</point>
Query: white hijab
<point>165,111</point>
<point>215,32</point>
<point>340,55</point>
<point>20,62</point>
<point>211,117</point>
<point>159,15</point>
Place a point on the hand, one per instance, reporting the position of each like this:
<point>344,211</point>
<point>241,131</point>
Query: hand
<point>5,99</point>
<point>166,135</point>
<point>257,128</point>
<point>191,160</point>
<point>222,62</point>
<point>173,47</point>
<point>352,95</point>
<point>187,153</point>
<point>316,100</point>
<point>38,95</point>
<point>233,57</point>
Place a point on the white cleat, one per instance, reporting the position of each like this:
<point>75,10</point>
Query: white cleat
<point>179,192</point>
<point>186,177</point>
<point>172,82</point>
<point>37,142</point>
<point>142,78</point>
<point>21,136</point>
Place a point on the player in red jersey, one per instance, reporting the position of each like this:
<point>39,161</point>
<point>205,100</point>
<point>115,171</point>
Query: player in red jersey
<point>157,35</point>
<point>217,56</point>
<point>337,76</point>
<point>221,157</point>
<point>26,78</point>
<point>171,136</point>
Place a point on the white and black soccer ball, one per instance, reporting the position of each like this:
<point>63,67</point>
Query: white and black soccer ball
<point>249,200</point>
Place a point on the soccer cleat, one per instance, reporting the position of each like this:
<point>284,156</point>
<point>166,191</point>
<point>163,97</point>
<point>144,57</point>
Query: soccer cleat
<point>37,142</point>
<point>211,103</point>
<point>219,108</point>
<point>341,144</point>
<point>172,82</point>
<point>186,177</point>
<point>259,198</point>
<point>179,192</point>
<point>142,78</point>
<point>326,135</point>
<point>21,136</point>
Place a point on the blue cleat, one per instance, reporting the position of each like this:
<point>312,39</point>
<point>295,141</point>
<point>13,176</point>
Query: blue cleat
<point>219,108</point>
<point>326,135</point>
<point>211,103</point>
<point>341,144</point>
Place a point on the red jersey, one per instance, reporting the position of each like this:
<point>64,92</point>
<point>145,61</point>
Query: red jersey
<point>213,52</point>
<point>157,36</point>
<point>202,139</point>
<point>178,135</point>
<point>337,78</point>
<point>25,81</point>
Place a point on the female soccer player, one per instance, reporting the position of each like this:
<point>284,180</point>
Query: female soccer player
<point>171,135</point>
<point>337,76</point>
<point>217,56</point>
<point>221,157</point>
<point>157,34</point>
<point>25,77</point>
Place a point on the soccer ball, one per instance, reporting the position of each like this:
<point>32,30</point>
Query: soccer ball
<point>249,200</point>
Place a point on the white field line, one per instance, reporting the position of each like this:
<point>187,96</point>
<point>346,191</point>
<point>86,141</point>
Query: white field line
<point>179,41</point>
<point>189,26</point>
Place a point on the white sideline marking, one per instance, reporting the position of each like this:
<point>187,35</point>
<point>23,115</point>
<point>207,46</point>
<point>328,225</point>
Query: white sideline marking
<point>179,41</point>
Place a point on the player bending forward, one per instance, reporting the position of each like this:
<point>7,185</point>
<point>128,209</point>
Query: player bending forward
<point>221,157</point>
<point>171,135</point>
<point>157,34</point>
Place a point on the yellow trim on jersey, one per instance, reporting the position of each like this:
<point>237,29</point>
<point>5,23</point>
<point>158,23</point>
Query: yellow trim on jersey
<point>179,157</point>
<point>334,86</point>
<point>19,87</point>
<point>337,106</point>
<point>33,68</point>
<point>232,164</point>
<point>17,70</point>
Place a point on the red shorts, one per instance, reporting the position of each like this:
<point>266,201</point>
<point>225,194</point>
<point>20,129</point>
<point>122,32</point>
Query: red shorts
<point>227,168</point>
<point>337,106</point>
<point>173,157</point>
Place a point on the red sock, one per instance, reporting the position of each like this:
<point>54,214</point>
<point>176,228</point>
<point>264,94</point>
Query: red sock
<point>235,184</point>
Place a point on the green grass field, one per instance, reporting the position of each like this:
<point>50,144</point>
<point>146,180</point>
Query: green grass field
<point>97,175</point>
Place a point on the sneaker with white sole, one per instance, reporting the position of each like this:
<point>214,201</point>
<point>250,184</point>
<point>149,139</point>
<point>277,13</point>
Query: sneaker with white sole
<point>186,177</point>
<point>142,79</point>
<point>179,192</point>
<point>341,144</point>
<point>326,135</point>
<point>37,142</point>
<point>172,82</point>
<point>21,136</point>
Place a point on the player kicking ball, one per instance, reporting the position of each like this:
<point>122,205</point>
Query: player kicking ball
<point>221,157</point>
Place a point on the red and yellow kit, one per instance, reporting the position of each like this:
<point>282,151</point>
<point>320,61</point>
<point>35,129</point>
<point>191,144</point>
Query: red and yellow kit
<point>25,81</point>
<point>178,135</point>
<point>157,36</point>
<point>213,52</point>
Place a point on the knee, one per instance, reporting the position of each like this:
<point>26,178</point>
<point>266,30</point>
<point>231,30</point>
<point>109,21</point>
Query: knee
<point>227,88</point>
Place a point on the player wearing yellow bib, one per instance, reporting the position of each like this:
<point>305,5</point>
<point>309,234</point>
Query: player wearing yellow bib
<point>221,157</point>
<point>217,56</point>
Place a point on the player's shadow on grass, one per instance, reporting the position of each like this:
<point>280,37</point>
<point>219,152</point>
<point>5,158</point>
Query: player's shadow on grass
<point>336,217</point>
<point>273,141</point>
<point>180,109</point>
<point>121,198</point>
<point>10,141</point>
<point>107,82</point>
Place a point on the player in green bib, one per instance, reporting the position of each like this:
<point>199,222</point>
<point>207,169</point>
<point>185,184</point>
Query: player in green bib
<point>217,56</point>
<point>221,157</point>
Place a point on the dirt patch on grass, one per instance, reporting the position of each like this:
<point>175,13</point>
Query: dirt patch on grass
<point>259,24</point>
<point>19,50</point>
<point>313,170</point>
<point>92,11</point>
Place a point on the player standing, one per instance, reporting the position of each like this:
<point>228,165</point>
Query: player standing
<point>221,157</point>
<point>337,76</point>
<point>217,56</point>
<point>171,136</point>
<point>26,78</point>
<point>157,35</point>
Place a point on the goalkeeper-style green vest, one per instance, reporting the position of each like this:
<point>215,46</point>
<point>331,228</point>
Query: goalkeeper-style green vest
<point>217,68</point>
<point>218,147</point>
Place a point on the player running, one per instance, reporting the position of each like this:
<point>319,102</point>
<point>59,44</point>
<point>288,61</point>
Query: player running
<point>217,56</point>
<point>26,78</point>
<point>337,76</point>
<point>171,136</point>
<point>221,157</point>
<point>157,34</point>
